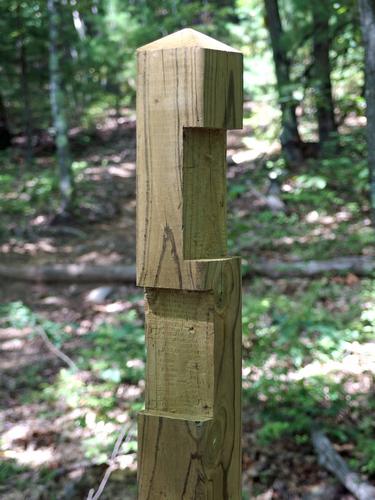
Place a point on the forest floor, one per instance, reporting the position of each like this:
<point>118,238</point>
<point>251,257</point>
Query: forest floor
<point>309,350</point>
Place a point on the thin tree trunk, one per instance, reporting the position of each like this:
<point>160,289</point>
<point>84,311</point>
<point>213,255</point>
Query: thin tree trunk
<point>27,114</point>
<point>58,115</point>
<point>5,135</point>
<point>322,71</point>
<point>290,138</point>
<point>76,50</point>
<point>367,14</point>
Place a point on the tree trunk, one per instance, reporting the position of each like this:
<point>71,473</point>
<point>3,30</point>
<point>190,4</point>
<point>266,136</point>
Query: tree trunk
<point>27,116</point>
<point>367,14</point>
<point>58,114</point>
<point>290,138</point>
<point>322,71</point>
<point>5,135</point>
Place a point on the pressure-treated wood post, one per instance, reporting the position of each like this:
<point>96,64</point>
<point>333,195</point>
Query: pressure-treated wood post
<point>189,91</point>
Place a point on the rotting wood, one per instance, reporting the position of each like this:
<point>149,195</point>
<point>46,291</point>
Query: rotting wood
<point>189,91</point>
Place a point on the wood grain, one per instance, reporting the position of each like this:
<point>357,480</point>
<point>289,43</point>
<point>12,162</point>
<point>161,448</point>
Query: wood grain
<point>179,88</point>
<point>183,472</point>
<point>187,38</point>
<point>193,372</point>
<point>180,351</point>
<point>189,93</point>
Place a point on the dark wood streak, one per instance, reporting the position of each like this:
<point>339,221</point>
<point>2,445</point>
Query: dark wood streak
<point>141,440</point>
<point>186,478</point>
<point>194,58</point>
<point>158,269</point>
<point>174,253</point>
<point>225,483</point>
<point>235,328</point>
<point>186,90</point>
<point>230,108</point>
<point>200,479</point>
<point>168,236</point>
<point>163,71</point>
<point>188,430</point>
<point>160,425</point>
<point>147,149</point>
<point>193,457</point>
<point>179,133</point>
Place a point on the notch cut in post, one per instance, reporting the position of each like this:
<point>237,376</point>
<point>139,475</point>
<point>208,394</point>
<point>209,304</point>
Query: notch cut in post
<point>183,85</point>
<point>180,349</point>
<point>189,92</point>
<point>204,194</point>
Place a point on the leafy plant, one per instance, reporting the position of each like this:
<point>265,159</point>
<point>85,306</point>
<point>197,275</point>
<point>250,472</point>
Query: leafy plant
<point>286,340</point>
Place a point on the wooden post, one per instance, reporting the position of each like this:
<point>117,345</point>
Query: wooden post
<point>189,91</point>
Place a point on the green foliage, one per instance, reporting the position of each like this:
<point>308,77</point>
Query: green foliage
<point>284,333</point>
<point>299,330</point>
<point>9,470</point>
<point>23,192</point>
<point>115,356</point>
<point>18,315</point>
<point>111,357</point>
<point>97,41</point>
<point>117,351</point>
<point>288,341</point>
<point>367,448</point>
<point>325,208</point>
<point>236,190</point>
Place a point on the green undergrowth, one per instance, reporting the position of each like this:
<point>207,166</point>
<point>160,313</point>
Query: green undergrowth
<point>109,360</point>
<point>326,206</point>
<point>299,341</point>
<point>298,337</point>
<point>24,191</point>
<point>326,201</point>
<point>27,191</point>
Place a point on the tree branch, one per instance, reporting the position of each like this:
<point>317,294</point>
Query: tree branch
<point>335,464</point>
<point>39,330</point>
<point>111,464</point>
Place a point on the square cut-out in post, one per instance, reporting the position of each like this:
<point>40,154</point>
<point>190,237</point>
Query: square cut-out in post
<point>180,352</point>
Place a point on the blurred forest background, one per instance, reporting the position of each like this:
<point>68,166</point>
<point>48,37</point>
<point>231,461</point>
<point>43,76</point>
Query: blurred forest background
<point>300,215</point>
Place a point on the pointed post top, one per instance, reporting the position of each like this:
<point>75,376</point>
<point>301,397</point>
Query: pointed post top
<point>187,38</point>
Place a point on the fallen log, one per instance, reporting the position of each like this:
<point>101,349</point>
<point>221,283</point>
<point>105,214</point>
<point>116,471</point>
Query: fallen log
<point>358,265</point>
<point>335,464</point>
<point>90,273</point>
<point>69,273</point>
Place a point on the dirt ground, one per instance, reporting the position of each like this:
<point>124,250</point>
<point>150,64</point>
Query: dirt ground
<point>42,437</point>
